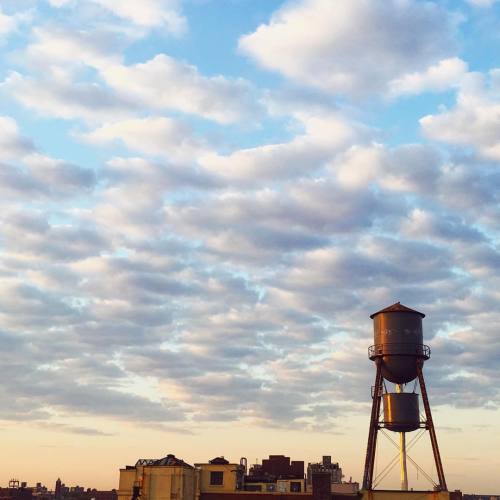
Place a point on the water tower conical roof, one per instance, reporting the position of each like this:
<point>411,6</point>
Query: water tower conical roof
<point>397,307</point>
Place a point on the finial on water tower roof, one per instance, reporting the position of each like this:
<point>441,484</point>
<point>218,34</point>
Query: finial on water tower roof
<point>397,307</point>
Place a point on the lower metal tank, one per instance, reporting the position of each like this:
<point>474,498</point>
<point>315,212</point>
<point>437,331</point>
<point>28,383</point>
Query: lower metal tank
<point>401,412</point>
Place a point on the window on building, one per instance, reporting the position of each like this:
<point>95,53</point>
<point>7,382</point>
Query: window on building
<point>216,477</point>
<point>295,486</point>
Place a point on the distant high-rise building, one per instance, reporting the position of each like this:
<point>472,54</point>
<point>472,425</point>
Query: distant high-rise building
<point>326,465</point>
<point>57,489</point>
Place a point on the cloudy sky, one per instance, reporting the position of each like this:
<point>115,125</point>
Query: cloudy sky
<point>201,203</point>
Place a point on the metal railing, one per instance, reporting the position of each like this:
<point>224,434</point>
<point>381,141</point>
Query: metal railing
<point>399,349</point>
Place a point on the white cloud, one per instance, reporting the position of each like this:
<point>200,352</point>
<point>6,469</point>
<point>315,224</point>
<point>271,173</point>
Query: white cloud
<point>7,23</point>
<point>149,13</point>
<point>164,83</point>
<point>160,136</point>
<point>60,176</point>
<point>359,166</point>
<point>161,83</point>
<point>59,97</point>
<point>412,168</point>
<point>423,223</point>
<point>60,3</point>
<point>441,76</point>
<point>57,46</point>
<point>10,23</point>
<point>473,122</point>
<point>12,144</point>
<point>353,47</point>
<point>268,225</point>
<point>31,174</point>
<point>146,13</point>
<point>482,3</point>
<point>306,153</point>
<point>160,175</point>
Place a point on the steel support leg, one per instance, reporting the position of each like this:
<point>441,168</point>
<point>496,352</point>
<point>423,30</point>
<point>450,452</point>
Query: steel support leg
<point>430,428</point>
<point>372,432</point>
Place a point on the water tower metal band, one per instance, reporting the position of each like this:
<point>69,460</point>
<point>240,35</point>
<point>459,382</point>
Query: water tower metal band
<point>399,355</point>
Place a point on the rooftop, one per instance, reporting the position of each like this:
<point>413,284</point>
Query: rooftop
<point>397,307</point>
<point>169,460</point>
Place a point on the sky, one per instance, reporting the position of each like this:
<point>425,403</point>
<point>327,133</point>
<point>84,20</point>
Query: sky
<point>202,202</point>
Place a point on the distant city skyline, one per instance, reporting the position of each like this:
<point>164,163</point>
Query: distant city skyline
<point>202,202</point>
